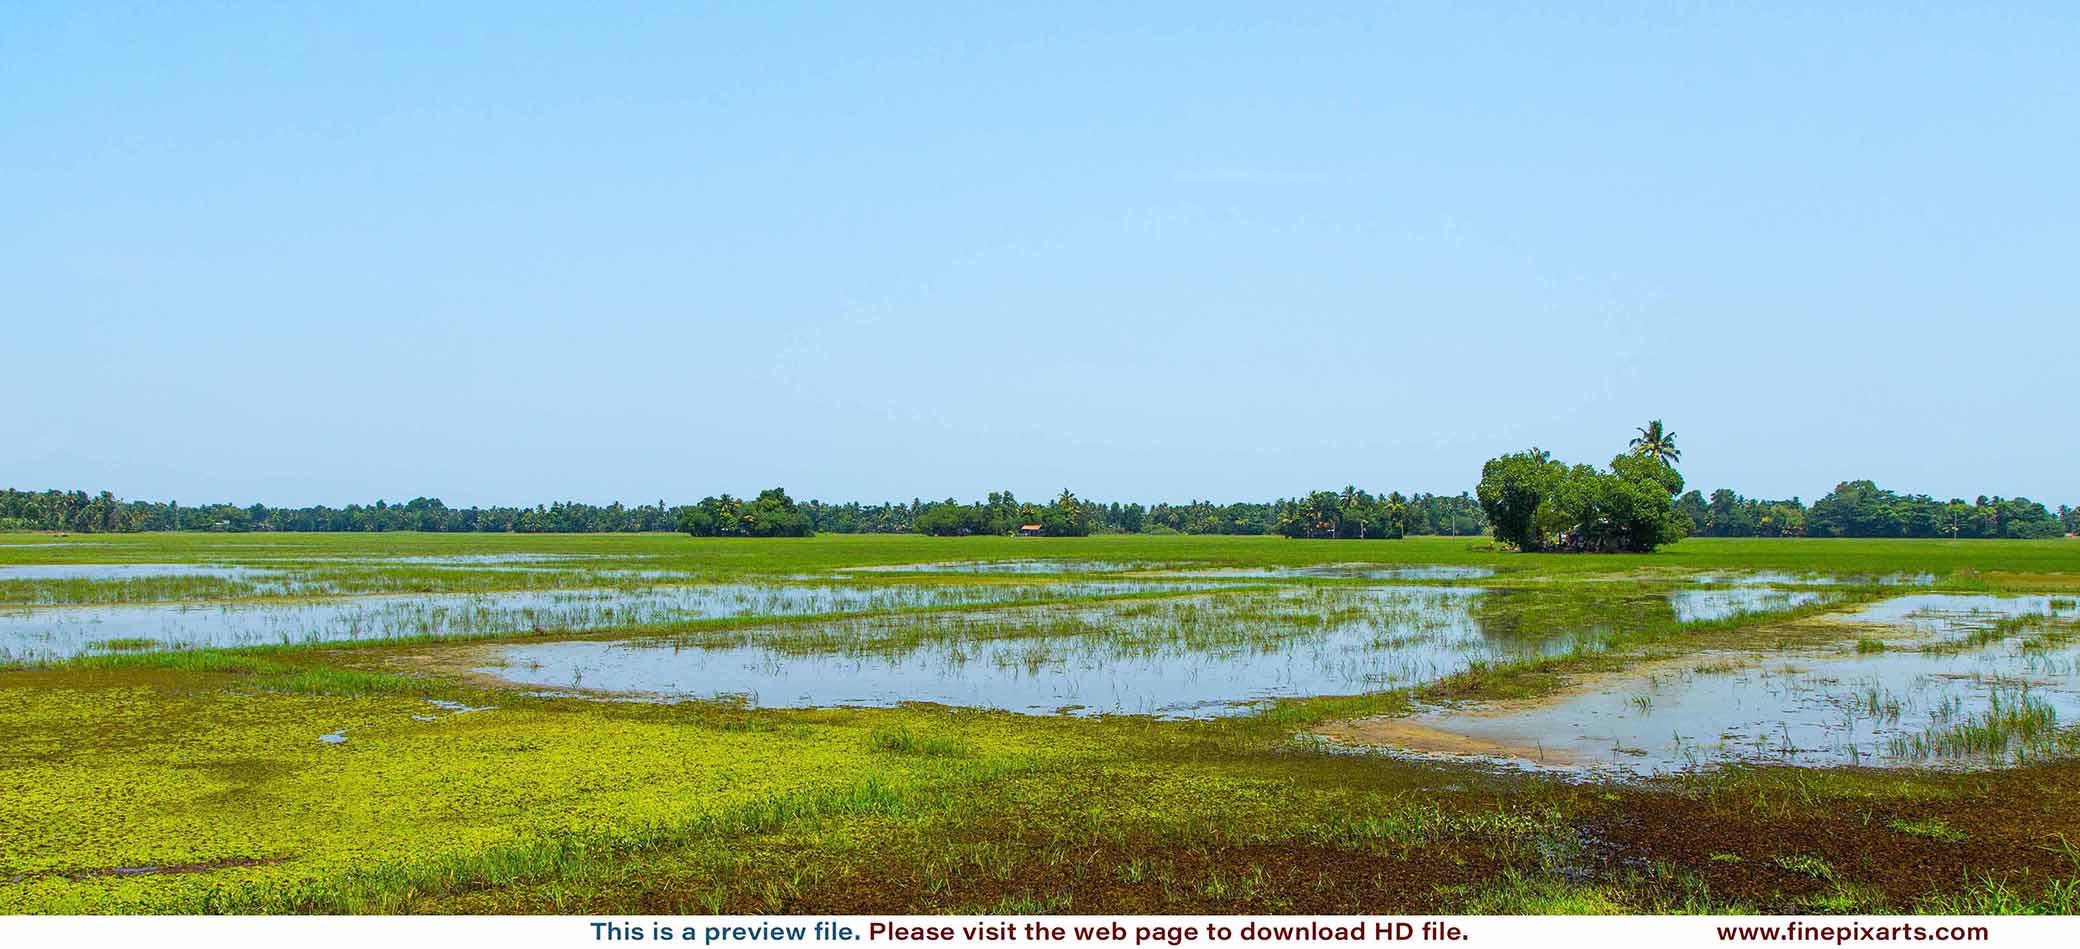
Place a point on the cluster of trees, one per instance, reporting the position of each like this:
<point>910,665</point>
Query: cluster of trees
<point>1068,516</point>
<point>1452,515</point>
<point>1196,517</point>
<point>1349,515</point>
<point>1538,504</point>
<point>852,517</point>
<point>1862,509</point>
<point>1728,514</point>
<point>771,514</point>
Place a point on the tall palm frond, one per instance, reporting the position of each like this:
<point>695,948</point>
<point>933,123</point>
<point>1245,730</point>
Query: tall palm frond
<point>1655,441</point>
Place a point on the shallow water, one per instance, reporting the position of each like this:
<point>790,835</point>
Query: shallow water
<point>48,584</point>
<point>58,632</point>
<point>458,708</point>
<point>1693,606</point>
<point>1947,613</point>
<point>583,571</point>
<point>1004,566</point>
<point>1343,571</point>
<point>1781,578</point>
<point>126,571</point>
<point>457,560</point>
<point>1197,657</point>
<point>1816,707</point>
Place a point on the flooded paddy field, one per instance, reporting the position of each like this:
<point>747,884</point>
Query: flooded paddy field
<point>61,632</point>
<point>1929,680</point>
<point>1715,604</point>
<point>123,571</point>
<point>1006,566</point>
<point>1341,571</point>
<point>1186,657</point>
<point>1216,654</point>
<point>1784,578</point>
<point>595,724</point>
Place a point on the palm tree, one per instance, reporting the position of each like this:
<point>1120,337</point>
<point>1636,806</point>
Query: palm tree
<point>1657,442</point>
<point>1350,511</point>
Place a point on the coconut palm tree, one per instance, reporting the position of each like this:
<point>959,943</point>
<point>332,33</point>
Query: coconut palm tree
<point>1350,511</point>
<point>1657,442</point>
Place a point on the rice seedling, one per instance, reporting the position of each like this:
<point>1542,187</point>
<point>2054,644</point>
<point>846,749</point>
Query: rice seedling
<point>1933,828</point>
<point>1806,864</point>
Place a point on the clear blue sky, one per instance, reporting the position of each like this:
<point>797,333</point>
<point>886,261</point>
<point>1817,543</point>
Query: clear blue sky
<point>508,253</point>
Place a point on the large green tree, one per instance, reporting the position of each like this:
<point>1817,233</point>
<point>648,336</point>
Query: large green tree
<point>1512,489</point>
<point>1538,504</point>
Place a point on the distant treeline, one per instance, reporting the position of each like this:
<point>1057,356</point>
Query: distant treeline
<point>104,512</point>
<point>1862,509</point>
<point>1348,513</point>
<point>1853,509</point>
<point>1001,513</point>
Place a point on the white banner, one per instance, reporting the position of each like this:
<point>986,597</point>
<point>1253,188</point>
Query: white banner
<point>997,932</point>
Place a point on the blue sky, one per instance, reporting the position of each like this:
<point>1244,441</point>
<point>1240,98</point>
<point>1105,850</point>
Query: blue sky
<point>508,253</point>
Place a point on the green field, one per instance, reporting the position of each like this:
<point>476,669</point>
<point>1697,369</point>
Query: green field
<point>1215,758</point>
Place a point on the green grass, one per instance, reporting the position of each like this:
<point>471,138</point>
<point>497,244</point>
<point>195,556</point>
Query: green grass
<point>124,644</point>
<point>2016,726</point>
<point>902,741</point>
<point>1807,864</point>
<point>1521,894</point>
<point>1987,896</point>
<point>2035,565</point>
<point>1933,828</point>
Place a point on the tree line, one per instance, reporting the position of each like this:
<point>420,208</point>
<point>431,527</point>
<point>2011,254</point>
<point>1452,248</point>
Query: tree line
<point>771,513</point>
<point>1852,509</point>
<point>1537,503</point>
<point>1351,513</point>
<point>105,513</point>
<point>1862,509</point>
